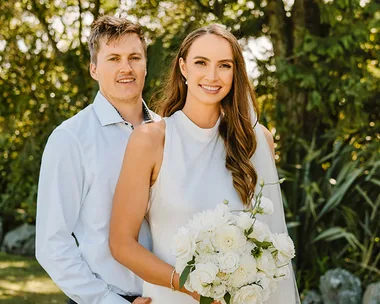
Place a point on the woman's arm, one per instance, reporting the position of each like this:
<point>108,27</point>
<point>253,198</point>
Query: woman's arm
<point>142,159</point>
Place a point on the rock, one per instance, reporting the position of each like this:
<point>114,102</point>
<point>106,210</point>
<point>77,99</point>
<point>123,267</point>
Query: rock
<point>339,286</point>
<point>20,240</point>
<point>372,294</point>
<point>312,297</point>
<point>29,248</point>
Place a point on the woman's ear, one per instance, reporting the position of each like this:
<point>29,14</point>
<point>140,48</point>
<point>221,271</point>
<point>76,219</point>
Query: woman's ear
<point>182,66</point>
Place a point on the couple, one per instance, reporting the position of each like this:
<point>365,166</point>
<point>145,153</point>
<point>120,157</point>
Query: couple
<point>101,179</point>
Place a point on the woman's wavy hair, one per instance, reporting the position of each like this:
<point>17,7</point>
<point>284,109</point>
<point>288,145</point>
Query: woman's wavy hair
<point>236,126</point>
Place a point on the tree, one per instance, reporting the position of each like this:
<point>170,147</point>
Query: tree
<point>317,88</point>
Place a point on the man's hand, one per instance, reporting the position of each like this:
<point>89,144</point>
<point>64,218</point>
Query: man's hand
<point>142,300</point>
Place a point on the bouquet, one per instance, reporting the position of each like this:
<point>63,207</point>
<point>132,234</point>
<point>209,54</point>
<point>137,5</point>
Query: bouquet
<point>230,256</point>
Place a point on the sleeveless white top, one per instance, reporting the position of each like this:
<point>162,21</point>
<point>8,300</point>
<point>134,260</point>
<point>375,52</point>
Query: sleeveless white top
<point>193,177</point>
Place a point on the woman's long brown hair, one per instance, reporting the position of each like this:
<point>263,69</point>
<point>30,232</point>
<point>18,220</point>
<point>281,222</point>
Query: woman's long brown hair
<point>236,126</point>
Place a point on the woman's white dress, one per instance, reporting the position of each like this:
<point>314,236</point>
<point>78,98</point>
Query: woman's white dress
<point>192,178</point>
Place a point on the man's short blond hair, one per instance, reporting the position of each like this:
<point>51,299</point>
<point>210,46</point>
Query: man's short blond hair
<point>112,28</point>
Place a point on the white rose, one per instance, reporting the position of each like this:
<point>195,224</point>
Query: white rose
<point>285,246</point>
<point>251,294</point>
<point>245,273</point>
<point>201,278</point>
<point>267,263</point>
<point>261,232</point>
<point>183,244</point>
<point>266,206</point>
<point>218,291</point>
<point>229,238</point>
<point>244,220</point>
<point>205,258</point>
<point>264,281</point>
<point>229,261</point>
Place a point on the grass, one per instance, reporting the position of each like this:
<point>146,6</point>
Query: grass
<point>22,280</point>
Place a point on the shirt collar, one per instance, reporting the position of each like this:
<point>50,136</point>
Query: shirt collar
<point>108,114</point>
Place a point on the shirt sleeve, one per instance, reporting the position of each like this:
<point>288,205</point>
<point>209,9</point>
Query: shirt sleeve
<point>60,193</point>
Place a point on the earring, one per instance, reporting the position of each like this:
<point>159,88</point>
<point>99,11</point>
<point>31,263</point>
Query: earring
<point>186,82</point>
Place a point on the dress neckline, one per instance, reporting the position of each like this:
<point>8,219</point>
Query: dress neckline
<point>197,132</point>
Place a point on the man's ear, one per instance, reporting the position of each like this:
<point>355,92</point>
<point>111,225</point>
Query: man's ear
<point>182,66</point>
<point>93,71</point>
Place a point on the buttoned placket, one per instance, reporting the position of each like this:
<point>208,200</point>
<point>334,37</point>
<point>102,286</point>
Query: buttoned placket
<point>146,116</point>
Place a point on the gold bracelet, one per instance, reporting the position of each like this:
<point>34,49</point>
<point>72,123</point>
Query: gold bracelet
<point>171,281</point>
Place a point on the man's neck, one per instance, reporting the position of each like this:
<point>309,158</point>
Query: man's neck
<point>131,112</point>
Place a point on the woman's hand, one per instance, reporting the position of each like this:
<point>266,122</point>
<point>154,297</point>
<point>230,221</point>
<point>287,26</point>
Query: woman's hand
<point>196,296</point>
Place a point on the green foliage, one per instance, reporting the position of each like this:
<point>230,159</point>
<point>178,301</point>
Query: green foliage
<point>317,89</point>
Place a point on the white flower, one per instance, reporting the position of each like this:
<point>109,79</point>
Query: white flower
<point>210,220</point>
<point>201,278</point>
<point>180,264</point>
<point>218,291</point>
<point>282,272</point>
<point>206,258</point>
<point>264,281</point>
<point>284,244</point>
<point>229,237</point>
<point>261,232</point>
<point>267,263</point>
<point>245,273</point>
<point>266,206</point>
<point>229,261</point>
<point>244,220</point>
<point>250,294</point>
<point>204,244</point>
<point>184,244</point>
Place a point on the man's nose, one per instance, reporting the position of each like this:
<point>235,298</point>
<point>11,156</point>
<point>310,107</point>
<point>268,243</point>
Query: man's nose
<point>125,66</point>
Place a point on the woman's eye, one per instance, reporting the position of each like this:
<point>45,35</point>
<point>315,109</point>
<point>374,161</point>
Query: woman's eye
<point>136,58</point>
<point>113,59</point>
<point>225,66</point>
<point>200,62</point>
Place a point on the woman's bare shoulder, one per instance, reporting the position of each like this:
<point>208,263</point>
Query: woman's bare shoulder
<point>269,137</point>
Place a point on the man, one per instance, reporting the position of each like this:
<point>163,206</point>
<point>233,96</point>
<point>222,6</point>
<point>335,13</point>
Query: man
<point>80,168</point>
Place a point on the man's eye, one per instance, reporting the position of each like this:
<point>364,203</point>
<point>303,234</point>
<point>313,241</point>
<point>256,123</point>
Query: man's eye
<point>113,59</point>
<point>136,58</point>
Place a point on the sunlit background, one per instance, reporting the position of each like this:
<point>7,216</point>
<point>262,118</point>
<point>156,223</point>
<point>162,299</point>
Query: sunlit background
<point>315,68</point>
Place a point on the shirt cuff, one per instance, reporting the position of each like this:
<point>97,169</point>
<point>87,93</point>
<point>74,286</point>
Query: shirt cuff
<point>114,298</point>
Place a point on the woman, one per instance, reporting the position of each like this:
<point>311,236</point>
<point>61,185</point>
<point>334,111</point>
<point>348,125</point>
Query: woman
<point>208,148</point>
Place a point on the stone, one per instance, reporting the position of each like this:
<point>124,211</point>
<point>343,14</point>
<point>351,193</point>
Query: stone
<point>372,294</point>
<point>20,240</point>
<point>339,286</point>
<point>312,297</point>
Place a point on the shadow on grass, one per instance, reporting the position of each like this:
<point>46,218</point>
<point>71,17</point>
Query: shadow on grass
<point>11,297</point>
<point>23,280</point>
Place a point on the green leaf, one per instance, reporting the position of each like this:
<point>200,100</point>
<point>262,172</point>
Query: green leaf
<point>339,193</point>
<point>206,300</point>
<point>227,298</point>
<point>185,273</point>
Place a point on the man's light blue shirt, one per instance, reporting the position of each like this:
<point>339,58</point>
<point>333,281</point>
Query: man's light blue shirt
<point>79,172</point>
